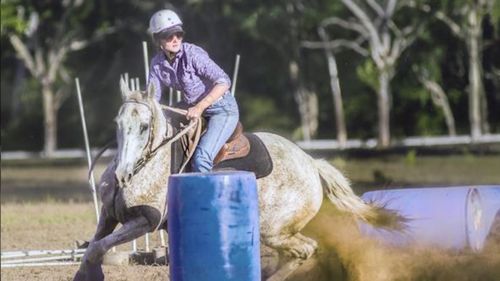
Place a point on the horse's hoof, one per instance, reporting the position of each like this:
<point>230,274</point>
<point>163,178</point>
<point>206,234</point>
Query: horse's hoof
<point>80,276</point>
<point>94,272</point>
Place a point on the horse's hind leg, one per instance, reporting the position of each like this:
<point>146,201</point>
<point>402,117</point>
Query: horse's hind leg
<point>312,244</point>
<point>295,248</point>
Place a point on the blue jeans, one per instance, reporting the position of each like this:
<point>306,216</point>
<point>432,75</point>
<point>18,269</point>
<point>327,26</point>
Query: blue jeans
<point>222,117</point>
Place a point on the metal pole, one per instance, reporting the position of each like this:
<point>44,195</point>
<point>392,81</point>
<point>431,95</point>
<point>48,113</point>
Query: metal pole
<point>137,84</point>
<point>132,84</point>
<point>134,245</point>
<point>146,72</point>
<point>235,74</point>
<point>33,253</point>
<point>146,59</point>
<point>162,238</point>
<point>30,260</point>
<point>87,148</point>
<point>126,79</point>
<point>146,237</point>
<point>39,264</point>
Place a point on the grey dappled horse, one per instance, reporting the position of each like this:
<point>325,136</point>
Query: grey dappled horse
<point>133,189</point>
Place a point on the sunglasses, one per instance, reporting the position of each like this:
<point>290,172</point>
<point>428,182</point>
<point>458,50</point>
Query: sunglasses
<point>169,37</point>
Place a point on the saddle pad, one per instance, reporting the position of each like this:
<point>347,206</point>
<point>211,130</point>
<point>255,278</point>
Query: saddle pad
<point>258,159</point>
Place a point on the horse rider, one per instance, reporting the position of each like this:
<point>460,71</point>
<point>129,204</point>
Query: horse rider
<point>204,85</point>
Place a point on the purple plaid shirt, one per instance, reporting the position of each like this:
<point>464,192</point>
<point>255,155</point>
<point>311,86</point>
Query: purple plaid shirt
<point>192,72</point>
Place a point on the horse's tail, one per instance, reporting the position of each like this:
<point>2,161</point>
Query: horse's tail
<point>338,190</point>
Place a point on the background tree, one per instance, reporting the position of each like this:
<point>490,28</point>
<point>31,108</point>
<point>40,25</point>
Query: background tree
<point>439,98</point>
<point>52,34</point>
<point>329,46</point>
<point>268,36</point>
<point>279,26</point>
<point>465,20</point>
<point>375,23</point>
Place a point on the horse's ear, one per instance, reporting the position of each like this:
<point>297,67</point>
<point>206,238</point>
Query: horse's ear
<point>150,91</point>
<point>124,88</point>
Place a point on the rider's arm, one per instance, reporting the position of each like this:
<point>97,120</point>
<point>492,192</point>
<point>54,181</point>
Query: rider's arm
<point>207,68</point>
<point>217,91</point>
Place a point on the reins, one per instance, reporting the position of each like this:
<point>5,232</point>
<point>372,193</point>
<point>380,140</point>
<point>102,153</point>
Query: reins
<point>150,153</point>
<point>99,154</point>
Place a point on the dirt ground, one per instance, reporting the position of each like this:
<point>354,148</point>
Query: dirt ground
<point>55,221</point>
<point>55,226</point>
<point>343,255</point>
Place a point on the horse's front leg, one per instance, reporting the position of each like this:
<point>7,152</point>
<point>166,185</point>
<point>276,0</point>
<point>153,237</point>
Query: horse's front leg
<point>92,260</point>
<point>87,269</point>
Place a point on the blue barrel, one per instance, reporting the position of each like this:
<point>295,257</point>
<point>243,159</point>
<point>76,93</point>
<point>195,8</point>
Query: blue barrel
<point>450,218</point>
<point>213,227</point>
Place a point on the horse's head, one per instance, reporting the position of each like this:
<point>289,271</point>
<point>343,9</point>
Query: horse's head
<point>141,130</point>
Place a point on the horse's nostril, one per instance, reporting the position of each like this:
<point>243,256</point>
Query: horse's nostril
<point>129,177</point>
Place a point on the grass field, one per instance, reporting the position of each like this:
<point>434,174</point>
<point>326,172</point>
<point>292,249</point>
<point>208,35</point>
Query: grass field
<point>47,206</point>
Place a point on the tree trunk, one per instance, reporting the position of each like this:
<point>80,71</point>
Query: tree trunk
<point>485,125</point>
<point>313,112</point>
<point>308,105</point>
<point>384,107</point>
<point>49,121</point>
<point>336,92</point>
<point>337,99</point>
<point>440,99</point>
<point>476,88</point>
<point>306,101</point>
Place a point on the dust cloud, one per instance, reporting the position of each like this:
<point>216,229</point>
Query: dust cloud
<point>359,258</point>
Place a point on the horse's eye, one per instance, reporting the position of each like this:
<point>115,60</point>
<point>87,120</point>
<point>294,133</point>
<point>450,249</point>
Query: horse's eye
<point>143,127</point>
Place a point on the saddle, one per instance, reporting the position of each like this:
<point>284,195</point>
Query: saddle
<point>237,146</point>
<point>242,151</point>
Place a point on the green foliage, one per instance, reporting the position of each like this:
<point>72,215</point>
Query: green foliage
<point>261,113</point>
<point>495,12</point>
<point>368,74</point>
<point>411,157</point>
<point>24,131</point>
<point>10,19</point>
<point>267,35</point>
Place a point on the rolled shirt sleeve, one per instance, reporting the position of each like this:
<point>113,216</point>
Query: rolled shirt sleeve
<point>207,68</point>
<point>155,80</point>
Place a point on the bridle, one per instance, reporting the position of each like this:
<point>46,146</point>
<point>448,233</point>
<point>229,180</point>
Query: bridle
<point>149,152</point>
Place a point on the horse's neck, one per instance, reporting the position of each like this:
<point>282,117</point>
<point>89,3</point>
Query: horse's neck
<point>149,186</point>
<point>160,162</point>
<point>156,171</point>
<point>159,124</point>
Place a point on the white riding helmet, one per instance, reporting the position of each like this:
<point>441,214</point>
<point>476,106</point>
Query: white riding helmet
<point>163,20</point>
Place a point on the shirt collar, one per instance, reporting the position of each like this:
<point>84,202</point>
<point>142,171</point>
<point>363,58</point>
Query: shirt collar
<point>177,55</point>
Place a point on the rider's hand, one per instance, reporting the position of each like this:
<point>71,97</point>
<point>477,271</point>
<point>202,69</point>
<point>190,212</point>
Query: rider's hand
<point>194,112</point>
